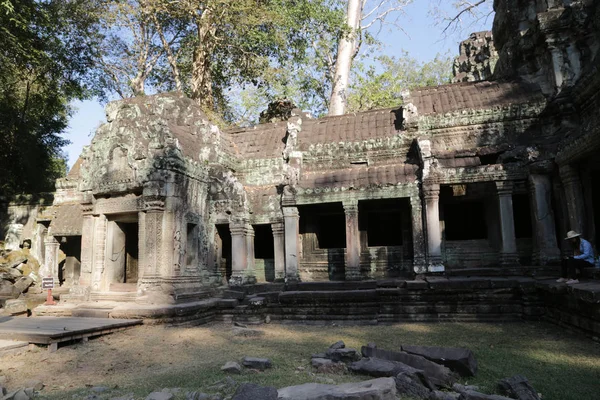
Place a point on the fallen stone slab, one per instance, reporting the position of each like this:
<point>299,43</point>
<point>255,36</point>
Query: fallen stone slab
<point>374,389</point>
<point>437,374</point>
<point>256,363</point>
<point>15,306</point>
<point>518,387</point>
<point>346,355</point>
<point>473,395</point>
<point>23,283</point>
<point>251,391</point>
<point>338,345</point>
<point>458,359</point>
<point>232,367</point>
<point>317,362</point>
<point>338,368</point>
<point>160,396</point>
<point>378,368</point>
<point>439,395</point>
<point>406,386</point>
<point>8,291</point>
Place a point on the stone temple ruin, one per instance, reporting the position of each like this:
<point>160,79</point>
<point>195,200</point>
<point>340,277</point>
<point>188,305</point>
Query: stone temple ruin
<point>468,178</point>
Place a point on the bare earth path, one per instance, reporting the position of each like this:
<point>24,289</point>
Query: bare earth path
<point>147,358</point>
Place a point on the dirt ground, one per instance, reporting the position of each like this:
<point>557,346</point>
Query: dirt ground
<point>143,359</point>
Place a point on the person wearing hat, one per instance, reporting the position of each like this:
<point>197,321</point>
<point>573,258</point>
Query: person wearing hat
<point>583,257</point>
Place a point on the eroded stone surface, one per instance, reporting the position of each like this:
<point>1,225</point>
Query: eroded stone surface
<point>375,389</point>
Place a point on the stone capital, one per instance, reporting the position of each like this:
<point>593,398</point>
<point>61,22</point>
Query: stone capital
<point>290,212</point>
<point>568,174</point>
<point>504,188</point>
<point>278,228</point>
<point>350,206</point>
<point>238,228</point>
<point>431,192</point>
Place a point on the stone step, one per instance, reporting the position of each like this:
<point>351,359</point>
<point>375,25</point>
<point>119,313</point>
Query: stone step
<point>12,347</point>
<point>123,287</point>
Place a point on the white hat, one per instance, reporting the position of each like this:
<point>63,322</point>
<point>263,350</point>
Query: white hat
<point>572,234</point>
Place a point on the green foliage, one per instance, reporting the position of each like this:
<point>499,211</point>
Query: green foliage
<point>47,51</point>
<point>381,84</point>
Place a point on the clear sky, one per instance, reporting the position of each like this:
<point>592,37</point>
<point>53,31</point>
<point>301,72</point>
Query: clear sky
<point>420,36</point>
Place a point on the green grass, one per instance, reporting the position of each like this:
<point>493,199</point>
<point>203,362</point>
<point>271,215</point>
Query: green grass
<point>559,364</point>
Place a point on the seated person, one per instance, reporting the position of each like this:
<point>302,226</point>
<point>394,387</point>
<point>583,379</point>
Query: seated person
<point>583,257</point>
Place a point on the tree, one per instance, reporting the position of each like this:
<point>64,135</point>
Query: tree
<point>382,86</point>
<point>48,49</point>
<point>360,16</point>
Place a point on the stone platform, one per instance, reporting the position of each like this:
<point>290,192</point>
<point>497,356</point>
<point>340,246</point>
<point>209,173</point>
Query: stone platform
<point>53,330</point>
<point>433,299</point>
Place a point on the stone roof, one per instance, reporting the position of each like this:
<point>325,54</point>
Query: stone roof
<point>261,141</point>
<point>350,127</point>
<point>469,95</point>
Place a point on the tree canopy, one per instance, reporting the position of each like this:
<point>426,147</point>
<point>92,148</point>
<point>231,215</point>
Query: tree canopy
<point>46,58</point>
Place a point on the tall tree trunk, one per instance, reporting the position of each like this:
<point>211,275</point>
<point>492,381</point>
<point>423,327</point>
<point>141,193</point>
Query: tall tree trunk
<point>346,51</point>
<point>170,56</point>
<point>201,82</point>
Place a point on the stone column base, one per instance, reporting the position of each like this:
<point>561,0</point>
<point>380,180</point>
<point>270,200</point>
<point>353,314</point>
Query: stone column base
<point>292,278</point>
<point>419,265</point>
<point>545,257</point>
<point>353,274</point>
<point>509,259</point>
<point>436,267</point>
<point>241,278</point>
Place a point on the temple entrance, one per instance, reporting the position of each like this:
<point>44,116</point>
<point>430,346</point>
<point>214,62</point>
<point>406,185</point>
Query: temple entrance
<point>223,250</point>
<point>122,253</point>
<point>69,260</point>
<point>264,253</point>
<point>323,242</point>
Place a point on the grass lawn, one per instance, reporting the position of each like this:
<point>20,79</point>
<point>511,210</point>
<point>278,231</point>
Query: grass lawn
<point>561,365</point>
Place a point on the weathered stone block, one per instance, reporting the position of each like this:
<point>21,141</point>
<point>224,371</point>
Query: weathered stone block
<point>15,306</point>
<point>460,360</point>
<point>375,389</point>
<point>256,363</point>
<point>346,355</point>
<point>518,387</point>
<point>251,391</point>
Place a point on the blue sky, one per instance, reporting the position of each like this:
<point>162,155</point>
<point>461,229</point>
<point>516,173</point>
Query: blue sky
<point>421,38</point>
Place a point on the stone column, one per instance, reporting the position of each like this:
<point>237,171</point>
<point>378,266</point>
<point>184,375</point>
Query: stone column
<point>569,176</point>
<point>434,235</point>
<point>279,250</point>
<point>418,237</point>
<point>239,254</point>
<point>100,225</point>
<point>87,250</point>
<point>508,251</point>
<point>545,249</point>
<point>50,269</point>
<point>250,248</point>
<point>352,241</point>
<point>291,219</point>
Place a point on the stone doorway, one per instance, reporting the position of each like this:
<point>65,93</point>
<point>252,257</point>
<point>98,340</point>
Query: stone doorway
<point>264,253</point>
<point>223,250</point>
<point>69,267</point>
<point>123,253</point>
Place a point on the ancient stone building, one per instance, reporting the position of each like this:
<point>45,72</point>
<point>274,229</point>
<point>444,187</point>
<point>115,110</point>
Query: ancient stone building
<point>479,176</point>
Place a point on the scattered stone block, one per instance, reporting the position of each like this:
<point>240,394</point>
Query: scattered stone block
<point>100,389</point>
<point>405,386</point>
<point>251,391</point>
<point>37,385</point>
<point>458,359</point>
<point>374,389</point>
<point>160,396</point>
<point>319,355</point>
<point>338,368</point>
<point>473,395</point>
<point>23,283</point>
<point>232,367</point>
<point>518,387</point>
<point>346,355</point>
<point>437,374</point>
<point>337,345</point>
<point>257,363</point>
<point>317,362</point>
<point>439,395</point>
<point>247,332</point>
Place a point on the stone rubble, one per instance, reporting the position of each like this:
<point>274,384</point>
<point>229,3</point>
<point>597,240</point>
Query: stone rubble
<point>19,270</point>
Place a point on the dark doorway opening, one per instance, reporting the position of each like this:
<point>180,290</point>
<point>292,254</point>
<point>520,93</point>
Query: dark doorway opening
<point>223,250</point>
<point>522,216</point>
<point>264,252</point>
<point>465,220</point>
<point>130,274</point>
<point>382,220</point>
<point>69,267</point>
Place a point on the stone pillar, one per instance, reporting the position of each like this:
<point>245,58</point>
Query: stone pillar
<point>239,254</point>
<point>50,268</point>
<point>153,237</point>
<point>279,250</point>
<point>418,237</point>
<point>545,249</point>
<point>508,251</point>
<point>100,225</point>
<point>434,234</point>
<point>569,176</point>
<point>250,248</point>
<point>87,250</point>
<point>291,219</point>
<point>352,241</point>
